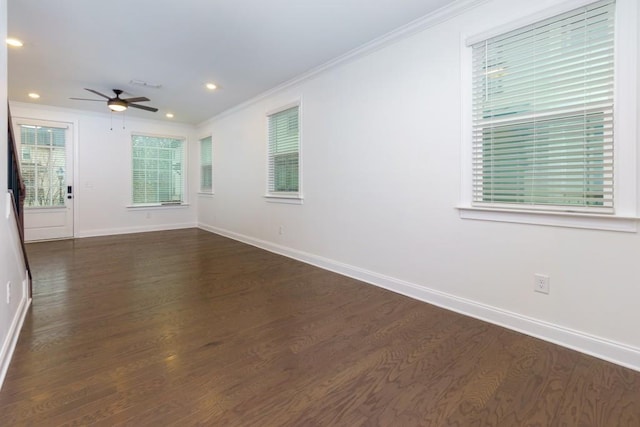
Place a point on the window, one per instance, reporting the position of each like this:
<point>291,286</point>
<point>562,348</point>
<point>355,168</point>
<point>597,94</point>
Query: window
<point>206,165</point>
<point>158,170</point>
<point>284,153</point>
<point>43,164</point>
<point>542,114</point>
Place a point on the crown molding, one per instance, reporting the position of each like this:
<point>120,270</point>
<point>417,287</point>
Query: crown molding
<point>430,20</point>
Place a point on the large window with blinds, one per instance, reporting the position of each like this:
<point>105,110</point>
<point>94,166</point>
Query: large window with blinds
<point>206,165</point>
<point>284,153</point>
<point>543,114</point>
<point>158,170</point>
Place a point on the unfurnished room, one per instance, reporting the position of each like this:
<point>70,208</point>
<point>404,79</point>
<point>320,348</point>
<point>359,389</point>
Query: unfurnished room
<point>320,213</point>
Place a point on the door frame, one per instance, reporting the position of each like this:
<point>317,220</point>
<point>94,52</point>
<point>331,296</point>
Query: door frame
<point>57,118</point>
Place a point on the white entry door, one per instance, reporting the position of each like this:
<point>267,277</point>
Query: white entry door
<point>46,163</point>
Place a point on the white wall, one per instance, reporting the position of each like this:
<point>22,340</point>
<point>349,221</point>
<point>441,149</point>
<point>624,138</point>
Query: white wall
<point>381,179</point>
<point>103,171</point>
<point>12,268</point>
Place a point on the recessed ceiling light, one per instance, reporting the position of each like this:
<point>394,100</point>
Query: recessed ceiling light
<point>169,115</point>
<point>34,95</point>
<point>211,86</point>
<point>14,42</point>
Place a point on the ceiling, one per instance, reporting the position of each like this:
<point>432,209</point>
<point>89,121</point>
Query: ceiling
<point>246,47</point>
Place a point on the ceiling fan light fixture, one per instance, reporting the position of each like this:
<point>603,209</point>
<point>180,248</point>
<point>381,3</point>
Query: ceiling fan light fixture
<point>117,105</point>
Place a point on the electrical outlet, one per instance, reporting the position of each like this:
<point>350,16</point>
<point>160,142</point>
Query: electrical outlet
<point>9,292</point>
<point>541,283</point>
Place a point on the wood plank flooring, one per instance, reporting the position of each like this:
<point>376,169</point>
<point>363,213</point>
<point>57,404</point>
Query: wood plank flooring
<point>188,328</point>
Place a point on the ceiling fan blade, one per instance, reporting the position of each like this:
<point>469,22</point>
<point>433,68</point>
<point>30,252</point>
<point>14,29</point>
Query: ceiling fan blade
<point>87,99</point>
<point>138,99</point>
<point>97,93</point>
<point>143,107</point>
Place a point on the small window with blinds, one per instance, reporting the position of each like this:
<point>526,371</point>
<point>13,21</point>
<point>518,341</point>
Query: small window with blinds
<point>543,114</point>
<point>158,170</point>
<point>284,153</point>
<point>206,165</point>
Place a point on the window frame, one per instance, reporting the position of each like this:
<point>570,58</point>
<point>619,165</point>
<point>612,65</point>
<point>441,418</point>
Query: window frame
<point>624,216</point>
<point>201,190</point>
<point>292,197</point>
<point>185,169</point>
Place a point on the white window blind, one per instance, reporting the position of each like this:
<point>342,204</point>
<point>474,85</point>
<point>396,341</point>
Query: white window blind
<point>158,170</point>
<point>543,114</point>
<point>284,146</point>
<point>206,165</point>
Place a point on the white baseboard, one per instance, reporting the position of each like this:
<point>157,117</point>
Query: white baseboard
<point>601,348</point>
<point>129,230</point>
<point>9,344</point>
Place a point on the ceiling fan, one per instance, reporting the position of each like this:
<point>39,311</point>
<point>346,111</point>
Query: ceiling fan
<point>119,104</point>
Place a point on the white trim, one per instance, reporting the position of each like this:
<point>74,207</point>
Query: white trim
<point>9,345</point>
<point>625,108</point>
<point>550,12</point>
<point>49,209</point>
<point>466,110</point>
<point>290,200</point>
<point>608,350</point>
<point>156,206</point>
<point>285,107</point>
<point>206,194</point>
<point>9,203</point>
<point>36,123</point>
<point>556,219</point>
<point>430,20</point>
<point>156,135</point>
<point>77,193</point>
<point>137,229</point>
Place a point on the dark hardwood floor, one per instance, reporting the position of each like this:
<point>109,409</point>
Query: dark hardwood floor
<point>189,328</point>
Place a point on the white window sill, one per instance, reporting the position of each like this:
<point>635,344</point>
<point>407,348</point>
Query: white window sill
<point>286,199</point>
<point>205,194</point>
<point>555,219</point>
<point>156,206</point>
